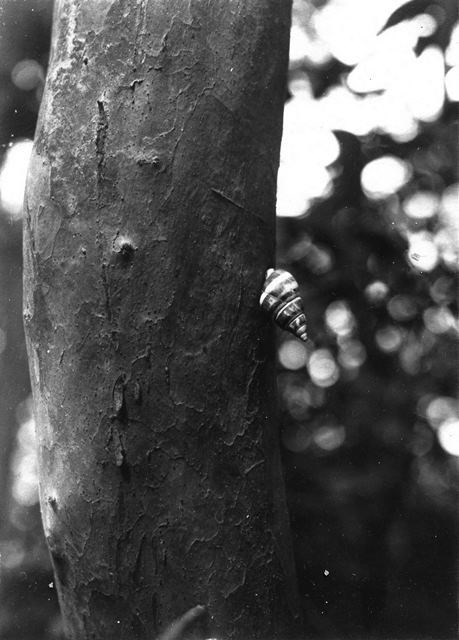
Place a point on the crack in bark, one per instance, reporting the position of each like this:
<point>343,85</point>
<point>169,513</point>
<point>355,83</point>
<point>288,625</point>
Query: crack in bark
<point>222,195</point>
<point>107,294</point>
<point>101,138</point>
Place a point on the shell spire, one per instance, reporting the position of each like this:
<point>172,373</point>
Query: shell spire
<point>281,300</point>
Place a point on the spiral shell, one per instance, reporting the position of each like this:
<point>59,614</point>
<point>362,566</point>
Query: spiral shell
<point>281,300</point>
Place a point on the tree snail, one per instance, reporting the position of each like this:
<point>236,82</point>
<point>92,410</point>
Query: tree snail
<point>281,300</point>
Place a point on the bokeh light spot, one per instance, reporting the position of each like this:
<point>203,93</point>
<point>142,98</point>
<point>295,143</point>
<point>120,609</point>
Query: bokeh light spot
<point>452,84</point>
<point>389,339</point>
<point>421,205</point>
<point>402,308</point>
<point>329,437</point>
<point>339,318</point>
<point>352,354</point>
<point>441,409</point>
<point>425,24</point>
<point>439,320</point>
<point>298,44</point>
<point>292,354</point>
<point>384,176</point>
<point>422,440</point>
<point>425,87</point>
<point>448,436</point>
<point>27,75</point>
<point>442,290</point>
<point>450,207</point>
<point>12,554</point>
<point>307,148</point>
<point>410,355</point>
<point>296,438</point>
<point>422,253</point>
<point>350,27</point>
<point>297,400</point>
<point>13,177</point>
<point>322,368</point>
<point>24,466</point>
<point>447,244</point>
<point>452,50</point>
<point>376,291</point>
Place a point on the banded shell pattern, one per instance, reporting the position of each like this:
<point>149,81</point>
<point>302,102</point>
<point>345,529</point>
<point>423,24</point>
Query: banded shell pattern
<point>281,300</point>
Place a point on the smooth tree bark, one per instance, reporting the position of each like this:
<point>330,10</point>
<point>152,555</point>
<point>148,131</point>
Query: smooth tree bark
<point>150,217</point>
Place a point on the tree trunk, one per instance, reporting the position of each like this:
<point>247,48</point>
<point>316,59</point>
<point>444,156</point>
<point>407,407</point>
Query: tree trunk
<point>150,213</point>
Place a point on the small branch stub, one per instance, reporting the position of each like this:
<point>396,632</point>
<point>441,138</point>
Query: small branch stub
<point>281,300</point>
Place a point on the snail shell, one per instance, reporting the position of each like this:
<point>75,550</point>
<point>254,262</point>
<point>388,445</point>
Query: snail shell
<point>281,300</point>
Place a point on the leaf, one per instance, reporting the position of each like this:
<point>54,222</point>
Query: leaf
<point>405,12</point>
<point>327,76</point>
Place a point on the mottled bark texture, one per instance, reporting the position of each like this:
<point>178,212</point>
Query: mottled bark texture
<point>149,227</point>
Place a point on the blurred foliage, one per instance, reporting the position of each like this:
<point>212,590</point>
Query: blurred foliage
<point>369,408</point>
<point>367,204</point>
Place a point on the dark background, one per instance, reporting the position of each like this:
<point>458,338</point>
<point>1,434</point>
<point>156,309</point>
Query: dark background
<point>369,410</point>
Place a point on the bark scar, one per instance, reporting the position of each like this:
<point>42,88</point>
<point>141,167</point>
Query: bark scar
<point>118,444</point>
<point>118,394</point>
<point>176,630</point>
